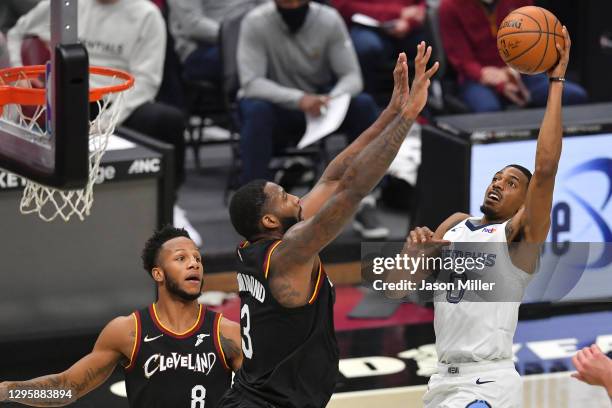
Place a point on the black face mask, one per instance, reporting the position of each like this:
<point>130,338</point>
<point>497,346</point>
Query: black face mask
<point>294,17</point>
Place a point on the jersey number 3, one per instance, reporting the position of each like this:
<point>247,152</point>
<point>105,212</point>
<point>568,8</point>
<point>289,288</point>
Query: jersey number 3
<point>247,343</point>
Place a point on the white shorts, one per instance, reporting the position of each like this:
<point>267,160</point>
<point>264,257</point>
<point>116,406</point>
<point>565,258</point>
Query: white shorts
<point>475,385</point>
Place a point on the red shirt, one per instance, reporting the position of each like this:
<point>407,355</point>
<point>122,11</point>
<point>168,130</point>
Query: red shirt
<point>381,10</point>
<point>469,34</point>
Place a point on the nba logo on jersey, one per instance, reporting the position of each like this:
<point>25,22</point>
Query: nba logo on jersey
<point>478,404</point>
<point>489,230</point>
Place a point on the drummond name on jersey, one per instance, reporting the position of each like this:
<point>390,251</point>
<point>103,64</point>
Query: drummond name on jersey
<point>247,283</point>
<point>199,363</point>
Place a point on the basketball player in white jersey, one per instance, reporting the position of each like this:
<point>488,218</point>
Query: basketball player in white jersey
<point>474,339</point>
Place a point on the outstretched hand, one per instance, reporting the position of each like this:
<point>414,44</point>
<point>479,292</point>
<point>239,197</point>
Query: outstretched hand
<point>421,240</point>
<point>564,53</point>
<point>400,85</point>
<point>593,366</point>
<point>417,97</point>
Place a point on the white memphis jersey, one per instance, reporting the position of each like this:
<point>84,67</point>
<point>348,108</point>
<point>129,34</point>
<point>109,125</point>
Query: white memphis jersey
<point>472,331</point>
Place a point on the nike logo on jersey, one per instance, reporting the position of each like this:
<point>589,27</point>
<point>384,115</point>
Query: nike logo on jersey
<point>483,382</point>
<point>200,339</point>
<point>148,339</point>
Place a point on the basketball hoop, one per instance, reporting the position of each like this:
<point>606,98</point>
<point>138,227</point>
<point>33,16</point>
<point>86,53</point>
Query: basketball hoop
<point>23,103</point>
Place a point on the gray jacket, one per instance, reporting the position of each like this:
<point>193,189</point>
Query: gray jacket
<point>279,67</point>
<point>197,21</point>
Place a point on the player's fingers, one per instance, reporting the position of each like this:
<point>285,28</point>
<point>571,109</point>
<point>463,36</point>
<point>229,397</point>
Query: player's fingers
<point>579,377</point>
<point>568,40</point>
<point>587,352</point>
<point>595,350</point>
<point>427,55</point>
<point>419,56</point>
<point>432,71</point>
<point>421,234</point>
<point>577,363</point>
<point>581,359</point>
<point>413,237</point>
<point>427,231</point>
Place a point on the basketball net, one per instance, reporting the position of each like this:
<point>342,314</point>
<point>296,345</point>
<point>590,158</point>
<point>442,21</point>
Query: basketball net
<point>52,203</point>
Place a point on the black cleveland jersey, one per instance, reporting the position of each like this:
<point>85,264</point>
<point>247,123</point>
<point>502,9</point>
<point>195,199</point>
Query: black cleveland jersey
<point>177,370</point>
<point>290,354</point>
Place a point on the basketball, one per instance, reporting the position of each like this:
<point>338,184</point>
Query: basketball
<point>526,39</point>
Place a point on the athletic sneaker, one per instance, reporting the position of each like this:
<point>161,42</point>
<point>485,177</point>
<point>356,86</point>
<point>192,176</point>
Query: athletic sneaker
<point>181,221</point>
<point>366,220</point>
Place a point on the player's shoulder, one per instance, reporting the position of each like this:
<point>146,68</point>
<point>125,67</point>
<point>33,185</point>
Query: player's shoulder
<point>120,328</point>
<point>450,222</point>
<point>455,219</point>
<point>228,326</point>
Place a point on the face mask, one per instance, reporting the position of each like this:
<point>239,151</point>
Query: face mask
<point>295,17</point>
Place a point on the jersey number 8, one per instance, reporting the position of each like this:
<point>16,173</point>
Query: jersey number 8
<point>198,396</point>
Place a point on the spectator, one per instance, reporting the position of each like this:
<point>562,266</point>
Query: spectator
<point>293,56</point>
<point>128,35</point>
<point>401,30</point>
<point>594,367</point>
<point>195,26</point>
<point>11,10</point>
<point>486,84</point>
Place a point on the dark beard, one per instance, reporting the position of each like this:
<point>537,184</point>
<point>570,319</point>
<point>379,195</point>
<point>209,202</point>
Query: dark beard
<point>174,289</point>
<point>488,212</point>
<point>288,222</point>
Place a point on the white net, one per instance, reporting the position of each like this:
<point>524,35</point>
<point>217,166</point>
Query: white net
<point>52,203</point>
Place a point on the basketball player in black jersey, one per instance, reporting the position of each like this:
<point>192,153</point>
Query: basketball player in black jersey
<point>288,340</point>
<point>175,353</point>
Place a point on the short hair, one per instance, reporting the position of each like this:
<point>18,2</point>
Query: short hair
<point>523,170</point>
<point>154,244</point>
<point>247,207</point>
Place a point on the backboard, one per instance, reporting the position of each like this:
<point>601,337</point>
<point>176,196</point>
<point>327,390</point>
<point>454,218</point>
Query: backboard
<point>56,153</point>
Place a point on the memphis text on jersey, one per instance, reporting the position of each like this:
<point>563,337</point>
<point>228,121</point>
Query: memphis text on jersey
<point>198,363</point>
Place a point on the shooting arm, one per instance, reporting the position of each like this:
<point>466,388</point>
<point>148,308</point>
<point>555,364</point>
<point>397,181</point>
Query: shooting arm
<point>533,220</point>
<point>85,375</point>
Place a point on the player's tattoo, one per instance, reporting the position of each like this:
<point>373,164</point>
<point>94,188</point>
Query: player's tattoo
<point>231,349</point>
<point>63,383</point>
<point>509,229</point>
<point>285,293</point>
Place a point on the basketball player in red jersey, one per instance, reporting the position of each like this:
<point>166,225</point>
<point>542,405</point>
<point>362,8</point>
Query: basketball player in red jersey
<point>288,340</point>
<point>174,353</point>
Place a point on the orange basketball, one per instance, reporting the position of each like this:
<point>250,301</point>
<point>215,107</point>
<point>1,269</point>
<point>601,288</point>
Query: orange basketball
<point>526,39</point>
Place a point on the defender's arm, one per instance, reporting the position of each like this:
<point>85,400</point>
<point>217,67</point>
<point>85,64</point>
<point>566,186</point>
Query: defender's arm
<point>302,243</point>
<point>85,375</point>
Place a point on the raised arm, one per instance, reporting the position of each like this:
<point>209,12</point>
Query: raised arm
<point>327,184</point>
<point>302,243</point>
<point>85,375</point>
<point>533,220</point>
